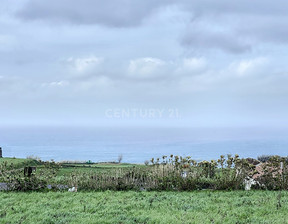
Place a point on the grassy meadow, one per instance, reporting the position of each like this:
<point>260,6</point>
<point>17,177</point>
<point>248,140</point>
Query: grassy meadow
<point>67,168</point>
<point>144,207</point>
<point>173,199</point>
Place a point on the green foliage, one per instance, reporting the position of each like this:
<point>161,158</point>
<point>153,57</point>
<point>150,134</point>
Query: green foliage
<point>17,180</point>
<point>275,173</point>
<point>19,163</point>
<point>171,173</point>
<point>183,173</point>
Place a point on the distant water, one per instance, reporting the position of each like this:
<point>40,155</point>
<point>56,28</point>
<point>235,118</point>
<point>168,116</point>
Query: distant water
<point>140,144</point>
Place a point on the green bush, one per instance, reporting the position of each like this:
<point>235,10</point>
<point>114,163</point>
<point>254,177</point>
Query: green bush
<point>38,180</point>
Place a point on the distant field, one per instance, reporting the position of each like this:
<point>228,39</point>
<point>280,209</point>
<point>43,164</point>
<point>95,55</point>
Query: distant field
<point>144,207</point>
<point>15,160</point>
<point>67,168</point>
<point>20,162</point>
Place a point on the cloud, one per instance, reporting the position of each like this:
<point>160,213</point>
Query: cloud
<point>191,66</point>
<point>232,27</point>
<point>244,7</point>
<point>155,53</point>
<point>250,67</point>
<point>235,27</point>
<point>111,13</point>
<point>154,69</point>
<point>208,35</point>
<point>244,76</point>
<point>143,68</point>
<point>55,84</point>
<point>84,66</point>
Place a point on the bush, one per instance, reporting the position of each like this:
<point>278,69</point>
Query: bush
<point>169,173</point>
<point>172,173</point>
<point>17,180</point>
<point>275,174</point>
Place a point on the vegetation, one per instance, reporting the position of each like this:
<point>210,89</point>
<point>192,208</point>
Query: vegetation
<point>104,191</point>
<point>19,162</point>
<point>144,207</point>
<point>264,158</point>
<point>171,173</point>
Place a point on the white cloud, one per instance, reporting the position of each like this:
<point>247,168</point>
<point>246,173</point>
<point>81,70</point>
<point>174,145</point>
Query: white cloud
<point>251,76</point>
<point>84,66</point>
<point>191,66</point>
<point>146,68</point>
<point>55,84</point>
<point>157,69</point>
<point>250,67</point>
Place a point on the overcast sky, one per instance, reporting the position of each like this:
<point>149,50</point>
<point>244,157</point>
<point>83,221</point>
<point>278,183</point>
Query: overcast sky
<point>201,63</point>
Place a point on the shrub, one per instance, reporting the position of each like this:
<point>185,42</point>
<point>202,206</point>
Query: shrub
<point>168,173</point>
<point>171,173</point>
<point>17,181</point>
<point>275,173</point>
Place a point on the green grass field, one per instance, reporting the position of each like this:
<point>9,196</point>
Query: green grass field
<point>138,206</point>
<point>144,207</point>
<point>97,167</point>
<point>68,168</point>
<point>20,162</point>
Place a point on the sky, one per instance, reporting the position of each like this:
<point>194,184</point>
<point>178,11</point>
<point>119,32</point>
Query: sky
<point>134,62</point>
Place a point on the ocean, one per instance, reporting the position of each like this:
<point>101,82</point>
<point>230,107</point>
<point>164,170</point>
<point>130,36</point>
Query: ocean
<point>138,144</point>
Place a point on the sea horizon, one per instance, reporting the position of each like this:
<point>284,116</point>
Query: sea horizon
<point>139,144</point>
